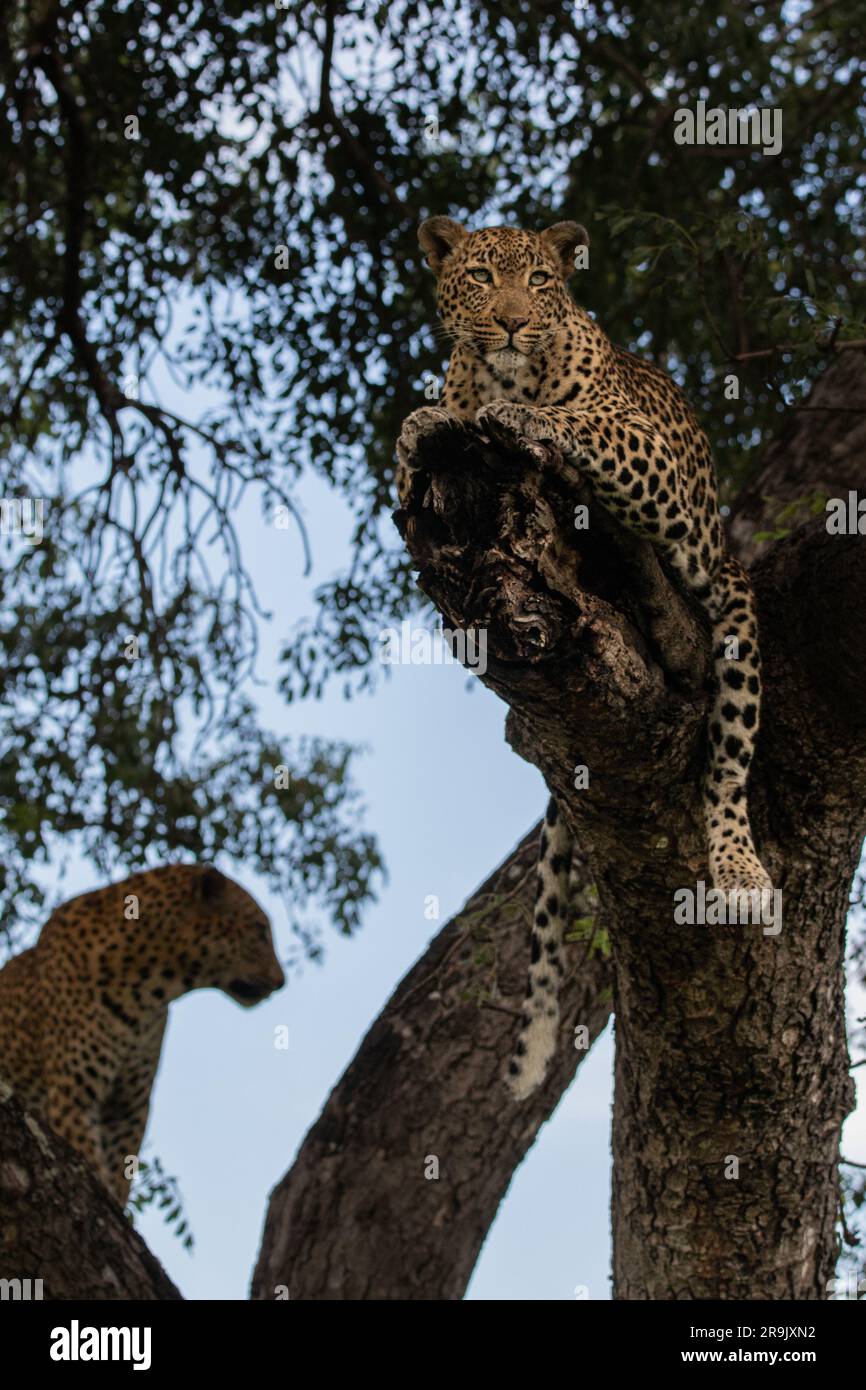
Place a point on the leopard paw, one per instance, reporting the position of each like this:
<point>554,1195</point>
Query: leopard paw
<point>422,425</point>
<point>516,425</point>
<point>747,887</point>
<point>739,872</point>
<point>418,431</point>
<point>511,421</point>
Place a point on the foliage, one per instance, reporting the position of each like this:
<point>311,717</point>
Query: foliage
<point>152,1184</point>
<point>123,247</point>
<point>793,514</point>
<point>219,203</point>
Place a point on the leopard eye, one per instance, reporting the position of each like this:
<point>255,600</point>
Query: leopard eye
<point>539,277</point>
<point>481,275</point>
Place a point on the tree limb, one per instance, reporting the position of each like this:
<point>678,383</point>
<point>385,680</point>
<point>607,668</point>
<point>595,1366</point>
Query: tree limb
<point>58,1223</point>
<point>327,116</point>
<point>357,1217</point>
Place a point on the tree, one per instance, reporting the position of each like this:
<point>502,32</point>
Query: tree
<point>732,1072</point>
<point>366,1210</point>
<point>346,1222</point>
<point>60,1226</point>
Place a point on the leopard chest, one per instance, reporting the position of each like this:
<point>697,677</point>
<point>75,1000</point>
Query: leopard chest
<point>513,377</point>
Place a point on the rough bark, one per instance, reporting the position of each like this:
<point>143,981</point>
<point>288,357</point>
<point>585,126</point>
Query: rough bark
<point>730,1043</point>
<point>58,1224</point>
<point>356,1217</point>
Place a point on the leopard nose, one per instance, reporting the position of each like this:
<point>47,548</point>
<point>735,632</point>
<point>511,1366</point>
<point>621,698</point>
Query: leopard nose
<point>511,325</point>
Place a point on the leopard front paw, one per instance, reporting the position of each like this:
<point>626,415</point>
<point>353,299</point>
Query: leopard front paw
<point>516,424</point>
<point>509,418</point>
<point>422,425</point>
<point>418,432</point>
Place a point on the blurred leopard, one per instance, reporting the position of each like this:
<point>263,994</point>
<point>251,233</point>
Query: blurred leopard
<point>83,1012</point>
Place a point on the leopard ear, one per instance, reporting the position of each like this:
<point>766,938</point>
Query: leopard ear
<point>438,237</point>
<point>211,883</point>
<point>563,239</point>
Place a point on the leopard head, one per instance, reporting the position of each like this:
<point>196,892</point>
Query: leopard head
<point>234,938</point>
<point>191,928</point>
<point>502,292</point>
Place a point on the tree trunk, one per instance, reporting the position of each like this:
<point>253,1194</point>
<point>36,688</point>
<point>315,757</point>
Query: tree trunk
<point>362,1213</point>
<point>731,1074</point>
<point>732,1067</point>
<point>60,1226</point>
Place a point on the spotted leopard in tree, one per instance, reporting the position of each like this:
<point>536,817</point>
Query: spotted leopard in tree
<point>530,365</point>
<point>83,1012</point>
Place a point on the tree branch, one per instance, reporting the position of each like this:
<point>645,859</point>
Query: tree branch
<point>58,1224</point>
<point>327,116</point>
<point>69,318</point>
<point>356,1217</point>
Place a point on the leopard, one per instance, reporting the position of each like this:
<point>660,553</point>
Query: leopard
<point>531,367</point>
<point>84,1010</point>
